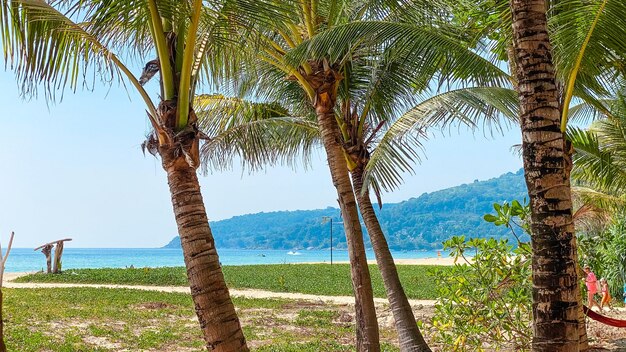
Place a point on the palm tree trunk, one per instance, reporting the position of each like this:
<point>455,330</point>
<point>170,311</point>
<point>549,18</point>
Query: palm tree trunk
<point>555,281</point>
<point>214,308</point>
<point>366,321</point>
<point>409,335</point>
<point>583,341</point>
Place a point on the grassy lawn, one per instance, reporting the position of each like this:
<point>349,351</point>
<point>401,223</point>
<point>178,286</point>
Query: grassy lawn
<point>322,279</point>
<point>96,319</point>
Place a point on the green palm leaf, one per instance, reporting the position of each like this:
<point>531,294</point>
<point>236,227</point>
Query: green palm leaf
<point>256,134</point>
<point>415,45</point>
<point>473,107</point>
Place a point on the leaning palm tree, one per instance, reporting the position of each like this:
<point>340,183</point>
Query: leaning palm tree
<point>373,91</point>
<point>376,83</point>
<point>56,44</point>
<point>312,87</point>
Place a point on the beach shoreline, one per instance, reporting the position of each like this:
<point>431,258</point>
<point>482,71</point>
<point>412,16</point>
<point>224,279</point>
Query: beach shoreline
<point>437,261</point>
<point>442,261</point>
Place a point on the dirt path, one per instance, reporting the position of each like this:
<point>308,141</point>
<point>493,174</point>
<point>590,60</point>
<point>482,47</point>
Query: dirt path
<point>248,293</point>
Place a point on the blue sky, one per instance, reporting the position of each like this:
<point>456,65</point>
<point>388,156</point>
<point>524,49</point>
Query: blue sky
<point>75,169</point>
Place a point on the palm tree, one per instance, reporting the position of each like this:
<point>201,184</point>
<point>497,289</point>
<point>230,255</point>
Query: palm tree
<point>378,79</point>
<point>312,85</point>
<point>366,108</point>
<point>587,53</point>
<point>55,44</point>
<point>555,279</point>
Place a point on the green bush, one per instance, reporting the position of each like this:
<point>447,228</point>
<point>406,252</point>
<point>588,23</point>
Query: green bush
<point>485,301</point>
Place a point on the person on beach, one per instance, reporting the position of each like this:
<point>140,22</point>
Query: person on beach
<point>606,296</point>
<point>592,287</point>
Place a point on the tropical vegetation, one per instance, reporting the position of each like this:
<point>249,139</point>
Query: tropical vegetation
<point>366,80</point>
<point>490,286</point>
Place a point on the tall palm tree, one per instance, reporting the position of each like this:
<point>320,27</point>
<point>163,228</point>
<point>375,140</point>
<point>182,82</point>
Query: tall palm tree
<point>312,85</point>
<point>372,94</point>
<point>587,53</point>
<point>555,278</point>
<point>56,44</point>
<point>377,79</point>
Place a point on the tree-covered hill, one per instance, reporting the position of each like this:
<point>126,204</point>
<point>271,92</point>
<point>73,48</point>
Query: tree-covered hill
<point>418,223</point>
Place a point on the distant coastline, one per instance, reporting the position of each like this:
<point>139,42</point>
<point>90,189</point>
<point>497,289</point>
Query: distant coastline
<point>421,223</point>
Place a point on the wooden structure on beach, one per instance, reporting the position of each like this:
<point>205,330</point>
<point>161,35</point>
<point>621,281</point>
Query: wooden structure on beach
<point>46,249</point>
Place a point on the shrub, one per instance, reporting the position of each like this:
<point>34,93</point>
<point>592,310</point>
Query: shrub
<point>485,301</point>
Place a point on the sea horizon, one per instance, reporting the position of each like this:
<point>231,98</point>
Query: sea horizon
<point>28,260</point>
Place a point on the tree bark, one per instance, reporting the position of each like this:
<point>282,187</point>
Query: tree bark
<point>58,252</point>
<point>47,250</point>
<point>409,335</point>
<point>555,281</point>
<point>366,321</point>
<point>214,308</point>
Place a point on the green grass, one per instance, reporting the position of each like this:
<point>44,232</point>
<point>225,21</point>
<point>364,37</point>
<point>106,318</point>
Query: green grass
<point>320,279</point>
<point>99,319</point>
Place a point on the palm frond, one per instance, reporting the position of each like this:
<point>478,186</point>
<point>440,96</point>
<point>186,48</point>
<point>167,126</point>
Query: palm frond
<point>489,107</point>
<point>571,24</point>
<point>595,165</point>
<point>392,158</point>
<point>596,204</point>
<point>256,134</point>
<point>416,45</point>
<point>50,49</point>
<point>397,149</point>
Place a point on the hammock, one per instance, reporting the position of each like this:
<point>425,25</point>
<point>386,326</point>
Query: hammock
<point>603,319</point>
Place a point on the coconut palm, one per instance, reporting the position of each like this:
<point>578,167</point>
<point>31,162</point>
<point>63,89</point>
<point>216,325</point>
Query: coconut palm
<point>363,75</point>
<point>545,164</point>
<point>58,44</point>
<point>373,93</point>
<point>586,57</point>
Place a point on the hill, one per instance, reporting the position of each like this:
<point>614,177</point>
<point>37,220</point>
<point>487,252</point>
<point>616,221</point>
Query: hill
<point>418,223</point>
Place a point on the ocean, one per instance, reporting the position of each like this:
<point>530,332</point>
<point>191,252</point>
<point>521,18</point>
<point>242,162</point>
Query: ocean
<point>25,259</point>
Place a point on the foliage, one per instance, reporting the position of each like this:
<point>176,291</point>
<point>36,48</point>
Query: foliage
<point>486,300</point>
<point>605,253</point>
<point>599,162</point>
<point>599,174</point>
<point>418,223</point>
<point>320,279</point>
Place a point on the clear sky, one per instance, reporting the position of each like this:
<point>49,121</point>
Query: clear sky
<point>75,169</point>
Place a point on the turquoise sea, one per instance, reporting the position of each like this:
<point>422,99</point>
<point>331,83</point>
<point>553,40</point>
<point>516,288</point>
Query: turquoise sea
<point>25,259</point>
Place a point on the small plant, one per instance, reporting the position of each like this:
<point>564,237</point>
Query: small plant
<point>282,282</point>
<point>485,301</point>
